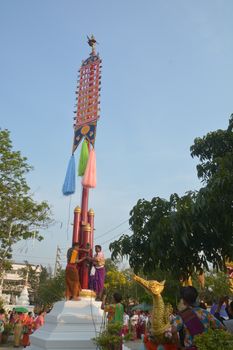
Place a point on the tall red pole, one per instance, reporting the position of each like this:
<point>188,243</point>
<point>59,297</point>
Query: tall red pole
<point>91,217</point>
<point>86,230</point>
<point>84,238</point>
<point>84,207</point>
<point>87,115</point>
<point>76,227</point>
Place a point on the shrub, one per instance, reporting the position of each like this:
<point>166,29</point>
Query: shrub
<point>214,340</point>
<point>111,337</point>
<point>8,329</point>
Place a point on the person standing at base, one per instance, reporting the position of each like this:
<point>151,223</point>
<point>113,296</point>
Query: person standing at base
<point>73,286</point>
<point>97,275</point>
<point>115,315</point>
<point>115,310</point>
<point>39,320</point>
<point>2,323</point>
<point>18,329</point>
<point>27,329</point>
<point>133,325</point>
<point>125,323</point>
<point>192,320</point>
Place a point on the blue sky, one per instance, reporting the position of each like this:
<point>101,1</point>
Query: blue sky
<point>167,78</point>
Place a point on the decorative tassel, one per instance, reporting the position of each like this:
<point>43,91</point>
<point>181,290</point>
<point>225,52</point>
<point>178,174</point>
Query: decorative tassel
<point>89,178</point>
<point>69,183</point>
<point>84,155</point>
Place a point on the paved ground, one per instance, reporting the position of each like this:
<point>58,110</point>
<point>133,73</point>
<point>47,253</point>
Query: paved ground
<point>8,346</point>
<point>132,345</point>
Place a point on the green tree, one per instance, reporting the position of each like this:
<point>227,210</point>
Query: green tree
<point>20,216</point>
<point>162,237</point>
<point>115,281</point>
<point>110,265</point>
<point>45,274</point>
<point>52,289</point>
<point>214,339</point>
<point>216,286</point>
<point>183,234</point>
<point>121,281</point>
<point>214,201</point>
<point>31,275</point>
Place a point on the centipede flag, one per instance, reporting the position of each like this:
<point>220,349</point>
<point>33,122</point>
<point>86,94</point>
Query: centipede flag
<point>86,117</point>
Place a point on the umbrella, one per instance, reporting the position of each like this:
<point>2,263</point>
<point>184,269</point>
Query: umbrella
<point>142,307</point>
<point>21,309</point>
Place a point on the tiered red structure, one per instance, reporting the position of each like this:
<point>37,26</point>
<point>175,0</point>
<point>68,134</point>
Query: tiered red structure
<point>87,114</point>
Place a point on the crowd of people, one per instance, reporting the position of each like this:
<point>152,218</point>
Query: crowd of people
<point>22,325</point>
<point>136,323</point>
<point>133,323</point>
<point>189,319</point>
<point>192,319</point>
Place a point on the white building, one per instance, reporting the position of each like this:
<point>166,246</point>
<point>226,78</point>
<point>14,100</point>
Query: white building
<point>15,279</point>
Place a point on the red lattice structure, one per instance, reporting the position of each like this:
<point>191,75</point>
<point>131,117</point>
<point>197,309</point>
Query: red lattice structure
<point>88,99</point>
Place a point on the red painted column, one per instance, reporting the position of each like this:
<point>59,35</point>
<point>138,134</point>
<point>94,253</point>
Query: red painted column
<point>84,206</point>
<point>86,230</point>
<point>84,271</point>
<point>76,227</point>
<point>91,217</point>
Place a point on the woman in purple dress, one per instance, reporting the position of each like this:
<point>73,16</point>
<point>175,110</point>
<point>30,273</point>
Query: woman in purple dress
<point>97,272</point>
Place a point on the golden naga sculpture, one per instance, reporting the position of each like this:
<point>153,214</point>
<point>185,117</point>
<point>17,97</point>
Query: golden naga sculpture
<point>160,313</point>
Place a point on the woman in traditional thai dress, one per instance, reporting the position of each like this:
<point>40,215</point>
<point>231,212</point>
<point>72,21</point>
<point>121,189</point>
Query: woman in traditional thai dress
<point>18,329</point>
<point>27,329</point>
<point>125,323</point>
<point>12,316</point>
<point>73,286</point>
<point>39,320</point>
<point>98,276</point>
<point>133,325</point>
<point>115,313</point>
<point>2,323</point>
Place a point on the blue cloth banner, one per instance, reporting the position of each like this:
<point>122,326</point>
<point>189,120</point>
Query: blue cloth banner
<point>69,183</point>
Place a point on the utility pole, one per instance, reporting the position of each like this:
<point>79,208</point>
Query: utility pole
<point>57,266</point>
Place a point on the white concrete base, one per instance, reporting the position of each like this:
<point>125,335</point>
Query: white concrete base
<point>70,325</point>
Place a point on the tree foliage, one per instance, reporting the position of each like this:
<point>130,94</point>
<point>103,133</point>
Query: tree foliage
<point>32,275</point>
<point>121,281</point>
<point>184,234</point>
<point>216,286</point>
<point>51,289</point>
<point>21,217</point>
<point>214,339</point>
<point>110,338</point>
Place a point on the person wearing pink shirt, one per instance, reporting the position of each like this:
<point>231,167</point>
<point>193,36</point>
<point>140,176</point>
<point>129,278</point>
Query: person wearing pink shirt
<point>39,321</point>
